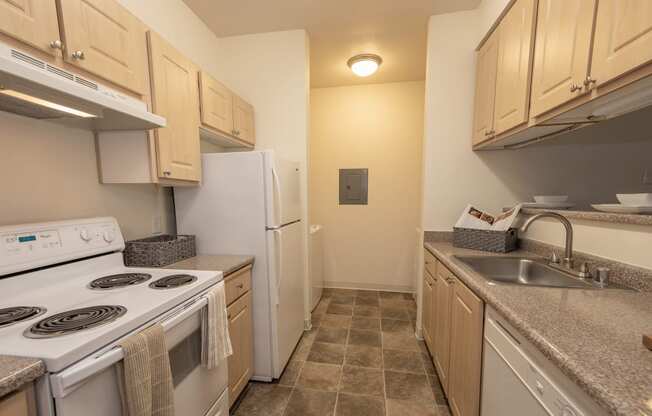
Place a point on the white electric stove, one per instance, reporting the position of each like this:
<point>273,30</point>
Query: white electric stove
<point>67,298</point>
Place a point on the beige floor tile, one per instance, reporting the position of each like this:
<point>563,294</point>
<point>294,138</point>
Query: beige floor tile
<point>400,341</point>
<point>394,313</point>
<point>332,335</point>
<point>355,405</point>
<point>264,399</point>
<point>336,309</point>
<point>322,352</point>
<point>409,408</point>
<point>290,374</point>
<point>406,361</point>
<point>364,337</point>
<point>359,380</point>
<point>319,376</point>
<point>363,356</point>
<point>311,403</point>
<point>336,321</point>
<point>407,386</point>
<point>360,322</point>
<point>394,325</point>
<point>367,311</point>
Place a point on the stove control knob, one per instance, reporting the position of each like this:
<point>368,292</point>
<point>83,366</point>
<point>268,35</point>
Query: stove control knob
<point>85,235</point>
<point>109,236</point>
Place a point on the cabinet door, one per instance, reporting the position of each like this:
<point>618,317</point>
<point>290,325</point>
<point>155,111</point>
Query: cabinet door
<point>443,293</point>
<point>485,90</point>
<point>33,22</point>
<point>175,97</point>
<point>243,120</point>
<point>216,104</point>
<point>103,38</point>
<point>20,403</point>
<point>515,49</point>
<point>467,313</point>
<point>426,310</point>
<point>240,364</point>
<point>623,38</point>
<point>561,55</point>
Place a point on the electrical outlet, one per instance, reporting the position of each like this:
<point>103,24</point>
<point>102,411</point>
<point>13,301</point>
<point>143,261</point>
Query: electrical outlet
<point>157,226</point>
<point>647,176</point>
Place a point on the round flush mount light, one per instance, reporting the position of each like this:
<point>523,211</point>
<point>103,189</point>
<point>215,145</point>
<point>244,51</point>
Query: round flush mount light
<point>365,64</point>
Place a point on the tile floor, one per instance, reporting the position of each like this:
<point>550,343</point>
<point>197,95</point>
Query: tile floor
<point>360,359</point>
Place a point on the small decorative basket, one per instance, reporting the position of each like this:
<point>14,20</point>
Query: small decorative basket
<point>160,250</point>
<point>486,240</point>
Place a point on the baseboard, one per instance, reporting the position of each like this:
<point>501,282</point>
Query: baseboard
<point>368,286</point>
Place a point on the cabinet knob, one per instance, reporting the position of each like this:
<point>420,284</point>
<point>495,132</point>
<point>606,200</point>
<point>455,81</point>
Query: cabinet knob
<point>450,280</point>
<point>489,133</point>
<point>56,44</point>
<point>237,132</point>
<point>574,87</point>
<point>240,285</point>
<point>79,55</point>
<point>167,173</point>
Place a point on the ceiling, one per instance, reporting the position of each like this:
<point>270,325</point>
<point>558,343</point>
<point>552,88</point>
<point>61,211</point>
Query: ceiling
<point>339,29</point>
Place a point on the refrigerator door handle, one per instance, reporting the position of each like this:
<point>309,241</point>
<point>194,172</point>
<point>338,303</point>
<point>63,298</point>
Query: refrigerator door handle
<point>279,264</point>
<point>277,196</point>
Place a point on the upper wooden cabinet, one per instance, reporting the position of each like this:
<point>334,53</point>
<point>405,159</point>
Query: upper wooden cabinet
<point>515,44</point>
<point>103,38</point>
<point>33,22</point>
<point>561,58</point>
<point>175,97</point>
<point>485,90</point>
<point>623,38</point>
<point>467,317</point>
<point>216,104</point>
<point>243,120</point>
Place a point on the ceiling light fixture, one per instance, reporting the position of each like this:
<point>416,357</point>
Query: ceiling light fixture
<point>365,64</point>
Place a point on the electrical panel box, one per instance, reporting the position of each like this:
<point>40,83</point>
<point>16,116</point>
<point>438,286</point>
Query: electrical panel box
<point>353,186</point>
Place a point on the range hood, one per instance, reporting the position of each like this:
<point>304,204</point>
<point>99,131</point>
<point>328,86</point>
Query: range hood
<point>33,88</point>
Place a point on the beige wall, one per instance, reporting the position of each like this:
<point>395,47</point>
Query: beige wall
<point>591,165</point>
<point>379,127</point>
<point>50,172</point>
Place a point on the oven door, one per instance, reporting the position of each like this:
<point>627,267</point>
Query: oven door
<point>91,385</point>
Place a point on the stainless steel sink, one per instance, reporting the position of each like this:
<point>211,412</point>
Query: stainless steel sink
<point>523,271</point>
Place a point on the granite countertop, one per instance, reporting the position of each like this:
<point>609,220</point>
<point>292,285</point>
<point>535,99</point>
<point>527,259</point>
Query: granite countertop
<point>593,336</point>
<point>15,372</point>
<point>224,263</point>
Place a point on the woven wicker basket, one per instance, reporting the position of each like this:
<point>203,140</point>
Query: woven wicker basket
<point>485,240</point>
<point>159,251</point>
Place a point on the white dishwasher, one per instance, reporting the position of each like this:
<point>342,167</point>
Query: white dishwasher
<point>517,380</point>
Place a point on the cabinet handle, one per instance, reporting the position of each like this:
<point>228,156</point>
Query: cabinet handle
<point>589,82</point>
<point>237,132</point>
<point>56,44</point>
<point>167,173</point>
<point>240,286</point>
<point>79,55</point>
<point>450,280</point>
<point>574,87</point>
<point>489,133</point>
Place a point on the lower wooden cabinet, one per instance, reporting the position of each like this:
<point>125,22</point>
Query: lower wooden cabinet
<point>20,403</point>
<point>452,319</point>
<point>240,364</point>
<point>467,317</point>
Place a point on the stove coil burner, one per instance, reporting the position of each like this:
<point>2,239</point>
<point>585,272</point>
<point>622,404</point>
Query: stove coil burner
<point>115,281</point>
<point>15,314</point>
<point>75,320</point>
<point>172,281</point>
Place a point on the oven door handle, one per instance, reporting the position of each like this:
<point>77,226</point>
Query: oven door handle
<point>67,380</point>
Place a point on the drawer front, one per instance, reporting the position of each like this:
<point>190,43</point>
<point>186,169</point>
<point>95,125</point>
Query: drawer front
<point>237,284</point>
<point>430,262</point>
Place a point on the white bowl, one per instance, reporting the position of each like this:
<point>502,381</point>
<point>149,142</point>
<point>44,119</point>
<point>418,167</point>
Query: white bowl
<point>635,200</point>
<point>550,199</point>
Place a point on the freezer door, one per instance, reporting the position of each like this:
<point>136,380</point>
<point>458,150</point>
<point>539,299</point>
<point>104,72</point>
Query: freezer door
<point>284,191</point>
<point>286,250</point>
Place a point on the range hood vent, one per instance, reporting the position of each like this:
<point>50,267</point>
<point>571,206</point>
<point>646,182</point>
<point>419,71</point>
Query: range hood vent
<point>33,88</point>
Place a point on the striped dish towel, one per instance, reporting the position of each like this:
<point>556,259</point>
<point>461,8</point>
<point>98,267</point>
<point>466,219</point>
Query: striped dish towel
<point>216,344</point>
<point>144,375</point>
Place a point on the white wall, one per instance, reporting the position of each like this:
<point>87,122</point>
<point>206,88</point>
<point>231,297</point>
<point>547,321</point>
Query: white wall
<point>589,165</point>
<point>271,71</point>
<point>378,127</point>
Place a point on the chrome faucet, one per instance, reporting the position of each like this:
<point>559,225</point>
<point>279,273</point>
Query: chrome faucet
<point>568,260</point>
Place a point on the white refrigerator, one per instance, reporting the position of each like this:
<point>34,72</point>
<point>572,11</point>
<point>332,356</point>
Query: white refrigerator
<point>250,203</point>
